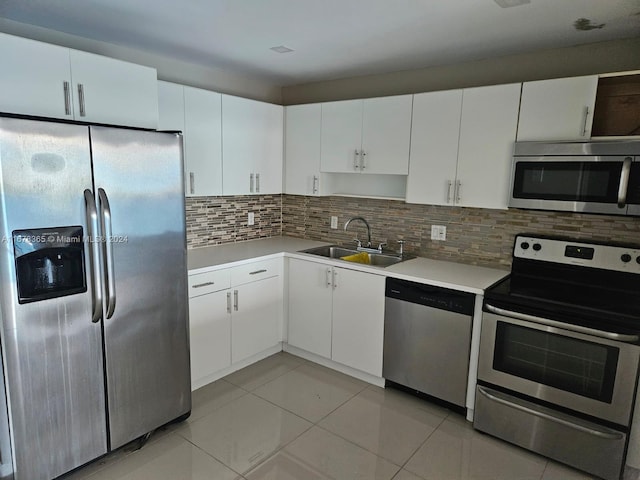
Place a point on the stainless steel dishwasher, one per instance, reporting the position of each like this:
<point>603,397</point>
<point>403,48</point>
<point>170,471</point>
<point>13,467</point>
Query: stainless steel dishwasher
<point>427,339</point>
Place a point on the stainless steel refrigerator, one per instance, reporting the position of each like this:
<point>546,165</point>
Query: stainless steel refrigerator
<point>93,302</point>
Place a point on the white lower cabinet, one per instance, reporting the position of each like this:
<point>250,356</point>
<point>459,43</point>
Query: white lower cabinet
<point>255,320</point>
<point>337,313</point>
<point>310,306</point>
<point>358,320</point>
<point>234,314</point>
<point>210,334</point>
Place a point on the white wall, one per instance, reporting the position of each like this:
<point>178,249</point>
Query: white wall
<point>603,57</point>
<point>169,69</point>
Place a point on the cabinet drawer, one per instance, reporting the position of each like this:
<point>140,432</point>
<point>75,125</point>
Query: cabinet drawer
<point>202,283</point>
<point>256,271</point>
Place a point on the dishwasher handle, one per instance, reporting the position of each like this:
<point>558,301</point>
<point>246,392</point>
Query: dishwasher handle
<point>431,296</point>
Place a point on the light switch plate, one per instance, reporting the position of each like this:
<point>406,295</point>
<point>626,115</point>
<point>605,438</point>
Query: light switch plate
<point>334,222</point>
<point>438,232</point>
<point>251,219</point>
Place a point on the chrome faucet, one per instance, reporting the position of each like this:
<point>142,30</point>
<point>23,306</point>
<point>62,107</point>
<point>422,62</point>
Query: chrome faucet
<point>368,230</point>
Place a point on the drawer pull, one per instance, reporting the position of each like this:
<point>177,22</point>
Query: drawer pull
<point>258,271</point>
<point>205,284</point>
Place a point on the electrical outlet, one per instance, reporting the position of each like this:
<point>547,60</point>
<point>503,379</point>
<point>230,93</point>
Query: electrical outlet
<point>438,232</point>
<point>334,222</point>
<point>251,219</point>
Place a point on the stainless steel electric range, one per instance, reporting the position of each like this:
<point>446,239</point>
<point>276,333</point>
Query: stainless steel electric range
<point>559,352</point>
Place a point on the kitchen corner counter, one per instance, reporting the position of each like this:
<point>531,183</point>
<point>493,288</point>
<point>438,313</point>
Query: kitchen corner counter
<point>203,258</point>
<point>458,276</point>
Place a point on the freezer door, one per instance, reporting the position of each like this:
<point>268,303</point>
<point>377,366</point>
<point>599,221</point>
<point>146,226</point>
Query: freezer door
<point>138,182</point>
<point>51,350</point>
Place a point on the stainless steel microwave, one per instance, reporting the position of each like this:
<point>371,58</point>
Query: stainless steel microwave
<point>594,177</point>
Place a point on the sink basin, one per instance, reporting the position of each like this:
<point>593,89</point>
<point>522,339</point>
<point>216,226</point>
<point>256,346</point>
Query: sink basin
<point>338,252</point>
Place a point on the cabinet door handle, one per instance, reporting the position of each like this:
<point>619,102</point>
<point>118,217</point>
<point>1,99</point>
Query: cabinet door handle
<point>251,183</point>
<point>192,182</point>
<point>449,191</point>
<point>81,100</point>
<point>205,284</point>
<point>315,184</point>
<point>356,159</point>
<point>235,300</point>
<point>263,270</point>
<point>458,189</point>
<point>228,302</point>
<point>335,276</point>
<point>362,163</point>
<point>67,100</point>
<point>328,276</point>
<point>257,183</point>
<point>584,125</point>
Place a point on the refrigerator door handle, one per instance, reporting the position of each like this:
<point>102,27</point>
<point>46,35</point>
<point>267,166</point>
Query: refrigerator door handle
<point>105,211</point>
<point>94,255</point>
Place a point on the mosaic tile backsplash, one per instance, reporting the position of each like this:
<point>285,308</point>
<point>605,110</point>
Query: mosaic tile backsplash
<point>215,220</point>
<point>475,236</point>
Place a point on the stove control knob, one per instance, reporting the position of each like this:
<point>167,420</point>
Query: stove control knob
<point>537,247</point>
<point>525,246</point>
<point>626,258</point>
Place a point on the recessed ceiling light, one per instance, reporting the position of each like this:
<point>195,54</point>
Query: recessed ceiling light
<point>511,3</point>
<point>281,49</point>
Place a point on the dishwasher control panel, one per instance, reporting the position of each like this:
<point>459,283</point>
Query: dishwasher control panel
<point>431,296</point>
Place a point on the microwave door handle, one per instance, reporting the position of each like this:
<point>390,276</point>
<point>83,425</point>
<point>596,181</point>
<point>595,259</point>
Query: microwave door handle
<point>624,182</point>
<point>105,210</point>
<point>94,256</point>
<point>566,326</point>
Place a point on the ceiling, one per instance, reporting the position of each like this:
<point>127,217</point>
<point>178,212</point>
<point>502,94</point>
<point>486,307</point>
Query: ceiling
<point>332,38</point>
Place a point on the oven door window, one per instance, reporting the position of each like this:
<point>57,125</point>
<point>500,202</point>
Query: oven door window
<point>568,181</point>
<point>577,366</point>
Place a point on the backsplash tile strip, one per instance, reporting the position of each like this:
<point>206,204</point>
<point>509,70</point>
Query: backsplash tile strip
<point>217,220</point>
<point>475,236</point>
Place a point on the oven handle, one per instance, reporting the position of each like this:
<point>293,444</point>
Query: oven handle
<point>574,328</point>
<point>591,431</point>
<point>624,182</point>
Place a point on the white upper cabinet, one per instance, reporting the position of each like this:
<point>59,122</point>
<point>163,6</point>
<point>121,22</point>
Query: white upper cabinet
<point>462,145</point>
<point>434,147</point>
<point>111,91</point>
<point>366,136</point>
<point>202,142</point>
<point>302,149</point>
<point>386,135</point>
<point>252,143</point>
<point>558,109</point>
<point>170,106</point>
<point>197,113</point>
<point>57,82</point>
<point>485,149</point>
<point>35,79</point>
<point>341,139</point>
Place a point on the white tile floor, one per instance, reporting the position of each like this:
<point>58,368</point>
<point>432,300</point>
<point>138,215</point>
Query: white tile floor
<point>288,419</point>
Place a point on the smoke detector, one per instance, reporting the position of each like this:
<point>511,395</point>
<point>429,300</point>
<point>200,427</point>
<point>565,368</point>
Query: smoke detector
<point>281,49</point>
<point>511,3</point>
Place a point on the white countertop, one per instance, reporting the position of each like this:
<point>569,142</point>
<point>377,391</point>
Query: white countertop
<point>205,257</point>
<point>458,276</point>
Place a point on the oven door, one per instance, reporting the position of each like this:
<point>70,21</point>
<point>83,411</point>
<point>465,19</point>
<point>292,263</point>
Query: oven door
<point>585,183</point>
<point>581,372</point>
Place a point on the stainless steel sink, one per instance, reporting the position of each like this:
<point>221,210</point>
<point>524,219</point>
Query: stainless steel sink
<point>338,252</point>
